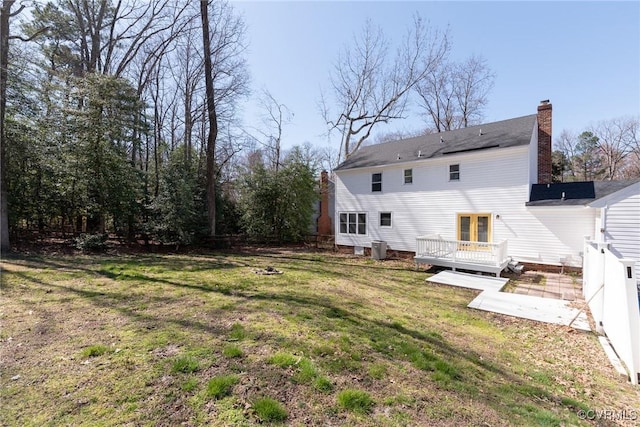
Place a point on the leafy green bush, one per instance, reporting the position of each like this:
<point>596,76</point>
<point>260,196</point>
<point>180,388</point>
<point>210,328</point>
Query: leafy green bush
<point>355,400</point>
<point>92,242</point>
<point>179,212</point>
<point>268,409</point>
<point>220,386</point>
<point>278,204</point>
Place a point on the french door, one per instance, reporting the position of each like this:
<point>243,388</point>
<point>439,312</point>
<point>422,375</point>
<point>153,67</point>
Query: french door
<point>474,228</point>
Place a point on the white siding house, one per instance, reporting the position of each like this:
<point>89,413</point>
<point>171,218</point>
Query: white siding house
<point>493,182</point>
<point>474,184</point>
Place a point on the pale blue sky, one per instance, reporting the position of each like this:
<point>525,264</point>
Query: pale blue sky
<point>583,56</point>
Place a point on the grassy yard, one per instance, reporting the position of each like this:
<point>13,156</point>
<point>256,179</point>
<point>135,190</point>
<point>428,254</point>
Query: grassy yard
<point>335,340</point>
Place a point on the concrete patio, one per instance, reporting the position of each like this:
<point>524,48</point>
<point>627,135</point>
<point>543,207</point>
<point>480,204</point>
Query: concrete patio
<point>548,297</point>
<point>548,285</point>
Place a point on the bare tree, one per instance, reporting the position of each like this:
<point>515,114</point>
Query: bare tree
<point>369,87</point>
<point>632,170</point>
<point>5,14</point>
<point>110,36</point>
<point>5,35</point>
<point>454,95</point>
<point>212,119</point>
<point>566,144</point>
<point>616,140</point>
<point>473,82</point>
<point>436,93</point>
<point>188,75</point>
<point>396,136</point>
<point>276,115</point>
<point>225,80</point>
<point>144,67</point>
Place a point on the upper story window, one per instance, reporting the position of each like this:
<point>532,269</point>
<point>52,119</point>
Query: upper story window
<point>376,181</point>
<point>408,176</point>
<point>454,172</point>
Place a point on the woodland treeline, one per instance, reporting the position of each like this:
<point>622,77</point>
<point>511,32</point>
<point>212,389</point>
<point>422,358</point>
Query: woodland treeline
<point>122,117</point>
<point>108,126</point>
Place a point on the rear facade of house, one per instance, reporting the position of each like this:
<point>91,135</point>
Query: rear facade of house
<point>471,184</point>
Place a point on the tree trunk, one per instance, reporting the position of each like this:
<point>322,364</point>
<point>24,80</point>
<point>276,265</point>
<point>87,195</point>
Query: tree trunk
<point>5,12</point>
<point>213,120</point>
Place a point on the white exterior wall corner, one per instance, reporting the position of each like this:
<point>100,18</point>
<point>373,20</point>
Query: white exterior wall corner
<point>556,235</point>
<point>493,181</point>
<point>620,221</point>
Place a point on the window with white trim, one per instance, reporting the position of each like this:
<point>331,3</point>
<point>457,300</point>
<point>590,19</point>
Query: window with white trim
<point>408,176</point>
<point>376,182</point>
<point>385,219</point>
<point>454,172</point>
<point>353,223</point>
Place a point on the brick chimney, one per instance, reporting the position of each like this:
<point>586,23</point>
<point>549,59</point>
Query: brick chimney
<point>544,142</point>
<point>324,221</point>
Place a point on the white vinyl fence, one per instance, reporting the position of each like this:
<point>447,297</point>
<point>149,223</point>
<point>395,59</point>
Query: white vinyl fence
<point>611,289</point>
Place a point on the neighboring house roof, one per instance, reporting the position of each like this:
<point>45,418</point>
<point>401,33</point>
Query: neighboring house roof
<point>574,193</point>
<point>505,133</point>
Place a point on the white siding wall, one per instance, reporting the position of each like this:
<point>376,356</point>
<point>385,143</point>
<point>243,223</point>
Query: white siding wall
<point>493,181</point>
<point>556,235</point>
<point>623,226</point>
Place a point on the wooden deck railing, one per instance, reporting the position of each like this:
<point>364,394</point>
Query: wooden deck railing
<point>433,246</point>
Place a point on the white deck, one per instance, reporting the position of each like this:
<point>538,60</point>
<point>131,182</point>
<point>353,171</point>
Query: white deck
<point>475,256</point>
<point>545,310</point>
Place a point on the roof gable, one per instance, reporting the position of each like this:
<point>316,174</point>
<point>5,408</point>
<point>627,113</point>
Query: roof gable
<point>502,134</point>
<point>617,193</point>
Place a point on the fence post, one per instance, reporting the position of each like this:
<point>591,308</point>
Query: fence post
<point>455,245</point>
<point>593,277</point>
<point>631,288</point>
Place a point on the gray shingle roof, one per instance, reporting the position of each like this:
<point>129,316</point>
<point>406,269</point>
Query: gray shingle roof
<point>505,133</point>
<point>576,193</point>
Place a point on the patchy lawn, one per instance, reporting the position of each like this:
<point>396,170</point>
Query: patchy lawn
<point>335,340</point>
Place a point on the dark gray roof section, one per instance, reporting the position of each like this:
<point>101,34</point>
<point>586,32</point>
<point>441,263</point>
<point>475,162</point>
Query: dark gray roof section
<point>575,193</point>
<point>505,133</point>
